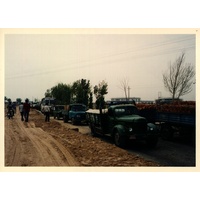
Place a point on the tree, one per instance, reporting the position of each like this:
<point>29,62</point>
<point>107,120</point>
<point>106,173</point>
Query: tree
<point>18,100</point>
<point>179,79</point>
<point>99,91</point>
<point>124,86</point>
<point>81,90</point>
<point>91,100</point>
<point>62,93</point>
<point>48,93</point>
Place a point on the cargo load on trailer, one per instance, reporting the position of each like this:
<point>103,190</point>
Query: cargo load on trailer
<point>175,119</point>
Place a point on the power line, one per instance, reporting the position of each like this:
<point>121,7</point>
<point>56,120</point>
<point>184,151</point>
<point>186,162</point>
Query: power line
<point>151,46</point>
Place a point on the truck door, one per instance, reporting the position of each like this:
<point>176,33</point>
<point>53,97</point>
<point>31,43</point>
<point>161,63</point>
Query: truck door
<point>110,121</point>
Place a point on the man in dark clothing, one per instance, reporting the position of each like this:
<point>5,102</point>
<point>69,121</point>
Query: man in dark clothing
<point>26,108</point>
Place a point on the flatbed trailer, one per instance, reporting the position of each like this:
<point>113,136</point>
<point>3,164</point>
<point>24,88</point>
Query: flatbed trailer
<point>173,124</point>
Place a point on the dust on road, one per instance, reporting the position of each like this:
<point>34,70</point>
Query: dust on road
<point>38,143</point>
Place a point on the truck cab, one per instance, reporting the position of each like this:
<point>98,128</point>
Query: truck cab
<point>75,112</point>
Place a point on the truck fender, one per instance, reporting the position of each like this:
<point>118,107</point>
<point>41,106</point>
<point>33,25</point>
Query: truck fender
<point>119,137</point>
<point>152,127</point>
<point>118,128</point>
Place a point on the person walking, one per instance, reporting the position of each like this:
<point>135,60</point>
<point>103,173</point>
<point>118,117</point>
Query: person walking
<point>26,107</point>
<point>21,110</point>
<point>46,110</point>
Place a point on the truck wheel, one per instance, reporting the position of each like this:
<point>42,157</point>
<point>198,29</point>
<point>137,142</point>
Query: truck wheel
<point>73,121</point>
<point>119,140</point>
<point>93,132</point>
<point>58,117</point>
<point>65,119</point>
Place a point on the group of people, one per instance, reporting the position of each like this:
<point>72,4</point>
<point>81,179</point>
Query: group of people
<point>24,109</point>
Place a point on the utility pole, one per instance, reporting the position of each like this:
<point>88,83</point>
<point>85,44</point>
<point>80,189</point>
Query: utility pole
<point>159,95</point>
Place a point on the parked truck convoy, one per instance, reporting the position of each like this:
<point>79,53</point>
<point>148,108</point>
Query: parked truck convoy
<point>122,123</point>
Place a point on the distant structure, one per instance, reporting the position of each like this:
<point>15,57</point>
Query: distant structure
<point>147,101</point>
<point>131,99</point>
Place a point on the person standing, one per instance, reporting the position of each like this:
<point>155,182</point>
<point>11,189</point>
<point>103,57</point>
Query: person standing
<point>46,110</point>
<point>26,107</point>
<point>21,110</point>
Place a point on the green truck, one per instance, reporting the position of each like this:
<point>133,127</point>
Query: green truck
<point>76,113</point>
<point>122,123</point>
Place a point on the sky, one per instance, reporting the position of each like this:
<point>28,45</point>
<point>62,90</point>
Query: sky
<point>37,62</point>
<point>89,14</point>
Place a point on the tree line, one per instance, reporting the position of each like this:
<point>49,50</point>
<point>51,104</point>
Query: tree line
<point>81,91</point>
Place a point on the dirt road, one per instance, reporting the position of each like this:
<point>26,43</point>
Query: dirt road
<point>28,145</point>
<point>38,143</point>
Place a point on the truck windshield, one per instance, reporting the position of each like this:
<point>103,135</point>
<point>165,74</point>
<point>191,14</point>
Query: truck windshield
<point>125,110</point>
<point>49,102</point>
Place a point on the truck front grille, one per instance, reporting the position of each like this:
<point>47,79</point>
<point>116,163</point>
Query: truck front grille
<point>139,127</point>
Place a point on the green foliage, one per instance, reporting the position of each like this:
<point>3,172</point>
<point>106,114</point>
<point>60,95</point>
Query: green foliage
<point>48,93</point>
<point>62,93</point>
<point>91,100</point>
<point>18,100</point>
<point>81,91</point>
<point>99,91</point>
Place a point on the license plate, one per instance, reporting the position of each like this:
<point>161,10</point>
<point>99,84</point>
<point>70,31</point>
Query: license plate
<point>132,137</point>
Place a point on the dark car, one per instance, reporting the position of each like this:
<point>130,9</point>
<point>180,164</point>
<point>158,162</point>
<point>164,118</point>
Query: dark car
<point>57,113</point>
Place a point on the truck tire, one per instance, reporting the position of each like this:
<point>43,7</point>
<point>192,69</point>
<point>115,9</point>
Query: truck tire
<point>93,132</point>
<point>73,121</point>
<point>119,140</point>
<point>65,119</point>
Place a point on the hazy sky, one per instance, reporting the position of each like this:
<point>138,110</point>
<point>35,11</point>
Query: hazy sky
<point>37,62</point>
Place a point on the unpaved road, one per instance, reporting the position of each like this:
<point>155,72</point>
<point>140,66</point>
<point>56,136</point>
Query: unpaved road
<point>28,145</point>
<point>37,143</point>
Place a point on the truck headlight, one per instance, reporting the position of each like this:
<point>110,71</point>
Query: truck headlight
<point>130,129</point>
<point>150,128</point>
